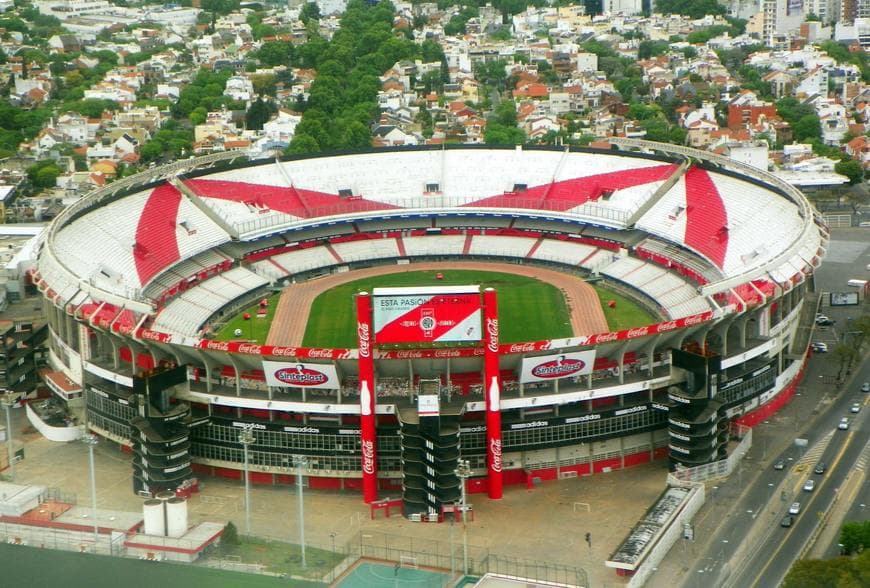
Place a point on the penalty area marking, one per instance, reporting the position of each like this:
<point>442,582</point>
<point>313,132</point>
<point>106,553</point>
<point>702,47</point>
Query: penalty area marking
<point>583,506</point>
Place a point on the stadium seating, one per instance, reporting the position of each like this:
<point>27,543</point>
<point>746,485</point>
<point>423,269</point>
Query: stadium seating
<point>501,246</point>
<point>568,252</point>
<point>434,245</point>
<point>367,249</point>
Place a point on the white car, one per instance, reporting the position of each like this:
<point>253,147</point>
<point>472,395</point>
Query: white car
<point>844,424</point>
<point>856,407</point>
<point>820,347</point>
<point>795,508</point>
<point>809,485</point>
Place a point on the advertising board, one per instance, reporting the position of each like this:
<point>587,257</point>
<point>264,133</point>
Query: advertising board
<point>426,314</point>
<point>553,367</point>
<point>301,375</point>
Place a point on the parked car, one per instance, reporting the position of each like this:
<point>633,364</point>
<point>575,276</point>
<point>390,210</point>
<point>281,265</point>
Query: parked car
<point>809,485</point>
<point>844,424</point>
<point>824,321</point>
<point>865,387</point>
<point>779,465</point>
<point>819,347</point>
<point>820,468</point>
<point>856,407</point>
<point>787,521</point>
<point>795,508</point>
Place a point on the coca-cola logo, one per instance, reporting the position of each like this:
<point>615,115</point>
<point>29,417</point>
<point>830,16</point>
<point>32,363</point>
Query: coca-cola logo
<point>151,335</point>
<point>404,354</point>
<point>495,454</point>
<point>640,332</point>
<point>558,368</point>
<point>362,332</point>
<point>492,334</point>
<point>218,345</point>
<point>607,337</point>
<point>300,375</point>
<point>320,353</point>
<point>668,326</point>
<point>368,457</point>
<point>694,319</point>
<point>284,351</point>
<point>252,349</point>
<point>521,347</point>
<point>447,353</point>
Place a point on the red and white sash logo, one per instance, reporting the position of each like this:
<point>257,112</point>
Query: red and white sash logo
<point>362,332</point>
<point>495,454</point>
<point>368,454</point>
<point>492,334</point>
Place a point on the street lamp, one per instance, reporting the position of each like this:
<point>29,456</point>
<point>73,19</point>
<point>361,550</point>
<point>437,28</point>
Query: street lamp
<point>8,401</point>
<point>246,437</point>
<point>90,440</point>
<point>463,470</point>
<point>302,463</point>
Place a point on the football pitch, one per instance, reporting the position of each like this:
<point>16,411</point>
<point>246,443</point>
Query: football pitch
<point>529,309</point>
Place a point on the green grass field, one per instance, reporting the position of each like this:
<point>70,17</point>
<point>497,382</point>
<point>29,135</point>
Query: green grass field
<point>627,314</point>
<point>29,566</point>
<point>529,309</point>
<point>256,329</point>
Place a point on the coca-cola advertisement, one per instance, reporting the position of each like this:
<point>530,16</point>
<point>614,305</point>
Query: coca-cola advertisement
<point>553,367</point>
<point>426,314</point>
<point>492,389</point>
<point>367,393</point>
<point>301,375</point>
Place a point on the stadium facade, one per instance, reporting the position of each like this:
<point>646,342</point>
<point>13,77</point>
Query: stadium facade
<point>136,274</point>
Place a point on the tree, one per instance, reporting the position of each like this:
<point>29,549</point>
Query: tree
<point>43,174</point>
<point>851,169</point>
<point>648,49</point>
<point>310,11</point>
<point>230,536</point>
<point>839,572</point>
<point>498,134</point>
<point>807,127</point>
<point>258,114</point>
<point>855,537</point>
<point>506,113</point>
<point>275,53</point>
<point>302,144</point>
<point>691,8</point>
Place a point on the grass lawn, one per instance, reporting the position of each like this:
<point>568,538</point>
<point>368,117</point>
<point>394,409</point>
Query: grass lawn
<point>256,329</point>
<point>627,314</point>
<point>280,557</point>
<point>529,309</point>
<point>29,566</point>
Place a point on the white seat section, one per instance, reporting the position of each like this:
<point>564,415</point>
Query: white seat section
<point>395,180</point>
<point>622,266</point>
<point>626,200</point>
<point>56,278</point>
<point>186,313</point>
<point>598,260</point>
<point>183,270</point>
<point>265,175</point>
<point>695,306</point>
<point>304,259</point>
<point>501,245</point>
<point>477,174</point>
<point>245,217</point>
<point>759,222</point>
<point>367,249</point>
<point>114,226</point>
<point>563,251</point>
<point>434,245</point>
<point>682,257</point>
<point>667,217</point>
<point>195,232</point>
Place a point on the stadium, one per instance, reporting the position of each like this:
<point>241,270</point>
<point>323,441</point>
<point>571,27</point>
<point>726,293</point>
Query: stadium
<point>183,311</point>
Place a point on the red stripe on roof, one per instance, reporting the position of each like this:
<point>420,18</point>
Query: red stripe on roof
<point>706,217</point>
<point>156,244</point>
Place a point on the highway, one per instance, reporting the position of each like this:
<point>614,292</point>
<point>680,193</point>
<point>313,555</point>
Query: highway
<point>749,547</point>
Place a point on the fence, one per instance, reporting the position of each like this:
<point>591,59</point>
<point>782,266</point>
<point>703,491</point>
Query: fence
<point>450,556</point>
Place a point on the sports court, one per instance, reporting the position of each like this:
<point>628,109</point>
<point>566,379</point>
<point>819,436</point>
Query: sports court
<point>367,574</point>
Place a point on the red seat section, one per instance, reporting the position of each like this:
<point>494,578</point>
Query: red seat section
<point>156,245</point>
<point>567,194</point>
<point>293,201</point>
<point>706,217</point>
